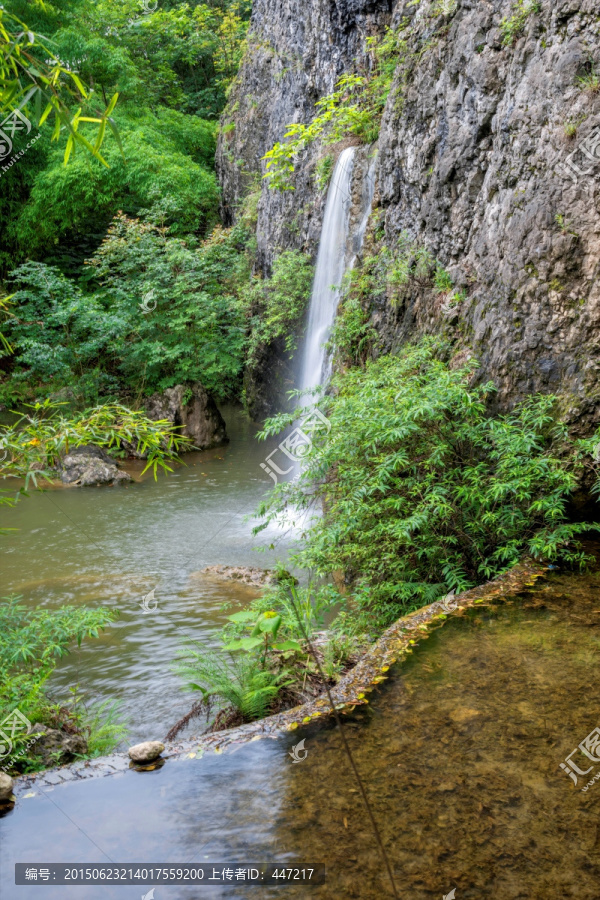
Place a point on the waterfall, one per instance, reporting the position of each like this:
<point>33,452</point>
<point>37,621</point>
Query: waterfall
<point>331,265</point>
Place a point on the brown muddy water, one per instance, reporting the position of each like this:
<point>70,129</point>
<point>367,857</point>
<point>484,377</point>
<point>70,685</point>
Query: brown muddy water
<point>110,546</point>
<point>459,751</point>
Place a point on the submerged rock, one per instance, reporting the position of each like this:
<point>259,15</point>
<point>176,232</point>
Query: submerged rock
<point>248,575</point>
<point>6,787</point>
<point>192,408</point>
<point>146,752</point>
<point>56,747</point>
<point>91,465</point>
<point>245,574</point>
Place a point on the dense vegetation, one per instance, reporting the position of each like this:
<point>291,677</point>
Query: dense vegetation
<point>117,282</point>
<point>424,491</point>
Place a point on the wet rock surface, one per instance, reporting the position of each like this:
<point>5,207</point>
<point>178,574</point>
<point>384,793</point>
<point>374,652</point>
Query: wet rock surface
<point>192,408</point>
<point>56,747</point>
<point>473,164</point>
<point>245,574</point>
<point>90,465</point>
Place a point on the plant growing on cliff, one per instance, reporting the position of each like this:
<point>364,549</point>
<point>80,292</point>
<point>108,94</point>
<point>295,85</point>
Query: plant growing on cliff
<point>353,108</point>
<point>512,26</point>
<point>423,492</point>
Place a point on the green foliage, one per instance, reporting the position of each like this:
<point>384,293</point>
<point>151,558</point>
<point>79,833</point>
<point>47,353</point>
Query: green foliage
<point>352,335</point>
<point>394,270</point>
<point>590,82</point>
<point>238,680</point>
<point>34,82</point>
<point>171,69</point>
<point>164,173</point>
<point>198,329</point>
<point>31,642</point>
<point>263,634</point>
<point>278,303</point>
<point>192,326</point>
<point>98,722</point>
<point>423,491</point>
<point>60,335</point>
<point>513,26</point>
<point>325,170</point>
<point>37,441</point>
<point>353,108</point>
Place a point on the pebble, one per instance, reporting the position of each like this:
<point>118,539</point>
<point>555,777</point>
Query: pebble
<point>146,752</point>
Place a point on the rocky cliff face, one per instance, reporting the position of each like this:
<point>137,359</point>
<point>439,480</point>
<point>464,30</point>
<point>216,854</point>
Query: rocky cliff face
<point>489,157</point>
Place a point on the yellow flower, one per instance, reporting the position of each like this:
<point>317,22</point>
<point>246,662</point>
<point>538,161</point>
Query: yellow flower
<point>33,443</point>
<point>270,614</point>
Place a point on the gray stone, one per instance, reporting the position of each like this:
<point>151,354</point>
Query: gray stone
<point>56,747</point>
<point>90,465</point>
<point>192,408</point>
<point>146,752</point>
<point>6,787</point>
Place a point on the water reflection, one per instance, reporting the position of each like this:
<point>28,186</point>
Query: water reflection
<point>460,755</point>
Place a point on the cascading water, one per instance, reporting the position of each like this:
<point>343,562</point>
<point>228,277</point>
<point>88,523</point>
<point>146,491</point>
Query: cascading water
<point>331,265</point>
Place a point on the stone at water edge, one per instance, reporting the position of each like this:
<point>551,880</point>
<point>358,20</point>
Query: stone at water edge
<point>6,787</point>
<point>146,752</point>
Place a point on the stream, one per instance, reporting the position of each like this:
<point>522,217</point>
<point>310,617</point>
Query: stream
<point>459,752</point>
<point>112,546</point>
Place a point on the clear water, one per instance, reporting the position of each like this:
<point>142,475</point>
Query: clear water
<point>111,546</point>
<point>459,753</point>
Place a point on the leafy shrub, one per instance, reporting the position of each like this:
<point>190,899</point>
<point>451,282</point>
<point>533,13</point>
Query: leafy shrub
<point>60,336</point>
<point>238,680</point>
<point>197,331</point>
<point>422,491</point>
<point>164,170</point>
<point>278,303</point>
<point>104,341</point>
<point>31,642</point>
<point>36,442</point>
